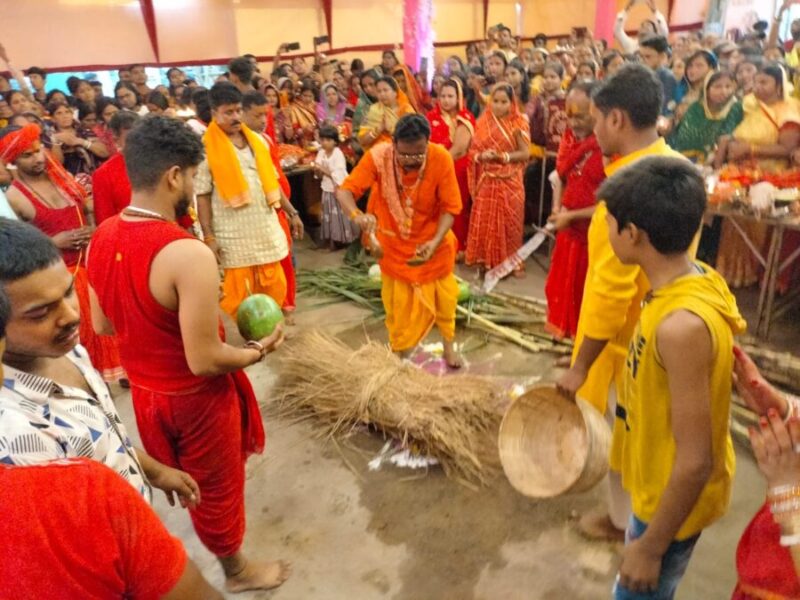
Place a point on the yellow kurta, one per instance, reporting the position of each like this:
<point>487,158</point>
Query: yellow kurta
<point>647,441</point>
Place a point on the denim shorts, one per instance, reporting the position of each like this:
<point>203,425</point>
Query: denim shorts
<point>673,566</point>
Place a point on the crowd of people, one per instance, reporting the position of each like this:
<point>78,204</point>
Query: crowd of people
<point>426,169</point>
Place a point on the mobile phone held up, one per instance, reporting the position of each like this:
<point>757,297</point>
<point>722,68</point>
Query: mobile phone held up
<point>323,39</point>
<point>293,46</point>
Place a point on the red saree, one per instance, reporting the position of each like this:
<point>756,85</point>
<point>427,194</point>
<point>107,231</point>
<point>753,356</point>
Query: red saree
<point>498,198</point>
<point>580,166</point>
<point>765,568</point>
<point>443,128</point>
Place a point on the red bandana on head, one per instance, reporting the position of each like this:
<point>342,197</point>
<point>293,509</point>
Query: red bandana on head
<point>16,143</point>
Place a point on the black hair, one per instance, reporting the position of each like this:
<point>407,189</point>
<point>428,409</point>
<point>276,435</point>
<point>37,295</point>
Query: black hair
<point>24,249</point>
<point>709,58</point>
<point>774,71</point>
<point>717,75</point>
<point>80,83</point>
<point>170,71</point>
<point>656,42</point>
<point>104,102</point>
<point>128,86</point>
<point>186,96</point>
<point>253,98</point>
<point>504,28</point>
<point>85,109</point>
<point>587,87</point>
<point>460,62</point>
<point>757,62</point>
<point>372,74</point>
<point>7,96</point>
<point>591,64</point>
<point>635,90</point>
<point>223,93</point>
<point>248,56</point>
<point>72,84</point>
<point>672,209</point>
<point>135,66</point>
<point>155,145</point>
<point>540,36</point>
<point>36,71</point>
<point>525,86</point>
<point>48,98</point>
<point>328,132</point>
<point>411,128</point>
<point>501,56</point>
<point>505,87</point>
<point>123,70</point>
<point>242,68</point>
<point>554,65</point>
<point>123,121</point>
<point>202,104</point>
<point>390,53</point>
<point>53,106</point>
<point>159,99</point>
<point>356,65</point>
<point>388,80</point>
<point>5,311</point>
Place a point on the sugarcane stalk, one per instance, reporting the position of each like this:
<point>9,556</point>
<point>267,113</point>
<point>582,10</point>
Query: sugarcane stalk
<point>509,334</point>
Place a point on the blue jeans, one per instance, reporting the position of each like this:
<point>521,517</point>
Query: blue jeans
<point>673,566</point>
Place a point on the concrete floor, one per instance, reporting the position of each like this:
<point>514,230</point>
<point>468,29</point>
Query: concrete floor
<point>359,535</point>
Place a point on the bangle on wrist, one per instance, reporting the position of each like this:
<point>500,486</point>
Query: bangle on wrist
<point>355,213</point>
<point>207,239</point>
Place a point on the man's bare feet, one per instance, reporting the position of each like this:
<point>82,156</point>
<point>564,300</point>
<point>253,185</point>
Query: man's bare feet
<point>258,576</point>
<point>451,356</point>
<point>288,318</point>
<point>597,526</point>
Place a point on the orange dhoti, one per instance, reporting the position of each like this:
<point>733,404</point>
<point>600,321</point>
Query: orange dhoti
<point>412,309</point>
<point>240,282</point>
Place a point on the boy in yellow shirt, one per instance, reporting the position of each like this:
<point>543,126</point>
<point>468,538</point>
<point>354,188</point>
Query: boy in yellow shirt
<point>677,457</point>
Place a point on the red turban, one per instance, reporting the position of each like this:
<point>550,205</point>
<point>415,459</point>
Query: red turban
<point>18,142</point>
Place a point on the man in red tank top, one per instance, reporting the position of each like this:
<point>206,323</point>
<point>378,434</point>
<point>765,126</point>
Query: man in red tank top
<point>157,287</point>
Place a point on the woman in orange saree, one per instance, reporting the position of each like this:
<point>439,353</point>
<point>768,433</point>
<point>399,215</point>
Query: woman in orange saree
<point>408,84</point>
<point>498,155</point>
<point>379,124</point>
<point>300,125</point>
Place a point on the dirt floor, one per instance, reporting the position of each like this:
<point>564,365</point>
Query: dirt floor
<point>357,534</point>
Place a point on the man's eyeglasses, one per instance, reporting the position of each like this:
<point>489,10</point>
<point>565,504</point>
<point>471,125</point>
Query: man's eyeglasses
<point>415,157</point>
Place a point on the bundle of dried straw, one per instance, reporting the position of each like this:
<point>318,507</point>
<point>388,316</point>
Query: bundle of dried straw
<point>453,418</point>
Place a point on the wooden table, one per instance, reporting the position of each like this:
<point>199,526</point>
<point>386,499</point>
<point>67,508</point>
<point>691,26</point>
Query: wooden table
<point>769,307</point>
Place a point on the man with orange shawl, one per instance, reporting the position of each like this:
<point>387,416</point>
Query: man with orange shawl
<point>414,199</point>
<point>237,197</point>
<point>47,196</point>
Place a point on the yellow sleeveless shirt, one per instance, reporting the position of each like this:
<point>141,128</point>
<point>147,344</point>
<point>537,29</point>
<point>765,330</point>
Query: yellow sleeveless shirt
<point>644,411</point>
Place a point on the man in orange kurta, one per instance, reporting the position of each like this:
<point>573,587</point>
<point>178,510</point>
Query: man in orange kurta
<point>413,202</point>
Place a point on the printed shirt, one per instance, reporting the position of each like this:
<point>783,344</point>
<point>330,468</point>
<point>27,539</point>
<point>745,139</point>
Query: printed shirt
<point>249,235</point>
<point>41,421</point>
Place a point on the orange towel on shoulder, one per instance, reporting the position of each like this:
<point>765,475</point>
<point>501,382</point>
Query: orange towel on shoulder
<point>227,172</point>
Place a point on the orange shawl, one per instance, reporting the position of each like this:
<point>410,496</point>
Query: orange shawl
<point>227,172</point>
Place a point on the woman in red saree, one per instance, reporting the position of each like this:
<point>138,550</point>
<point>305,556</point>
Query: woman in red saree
<point>497,157</point>
<point>580,168</point>
<point>408,84</point>
<point>768,555</point>
<point>453,126</point>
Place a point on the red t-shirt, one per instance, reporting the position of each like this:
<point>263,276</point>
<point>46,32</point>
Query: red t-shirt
<point>75,529</point>
<point>111,188</point>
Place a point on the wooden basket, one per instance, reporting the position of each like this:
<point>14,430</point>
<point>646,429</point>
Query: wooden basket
<point>551,446</point>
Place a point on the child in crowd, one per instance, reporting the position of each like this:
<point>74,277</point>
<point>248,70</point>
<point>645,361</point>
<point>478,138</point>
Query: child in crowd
<point>331,166</point>
<point>676,452</point>
<point>580,167</point>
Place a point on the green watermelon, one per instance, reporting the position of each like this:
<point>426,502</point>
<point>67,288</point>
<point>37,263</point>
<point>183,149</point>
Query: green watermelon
<point>464,292</point>
<point>258,316</point>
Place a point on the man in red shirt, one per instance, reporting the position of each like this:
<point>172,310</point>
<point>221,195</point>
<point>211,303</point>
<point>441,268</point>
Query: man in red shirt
<point>157,287</point>
<point>110,186</point>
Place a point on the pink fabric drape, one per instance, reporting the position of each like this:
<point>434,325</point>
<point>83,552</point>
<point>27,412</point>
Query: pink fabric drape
<point>604,16</point>
<point>418,33</point>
